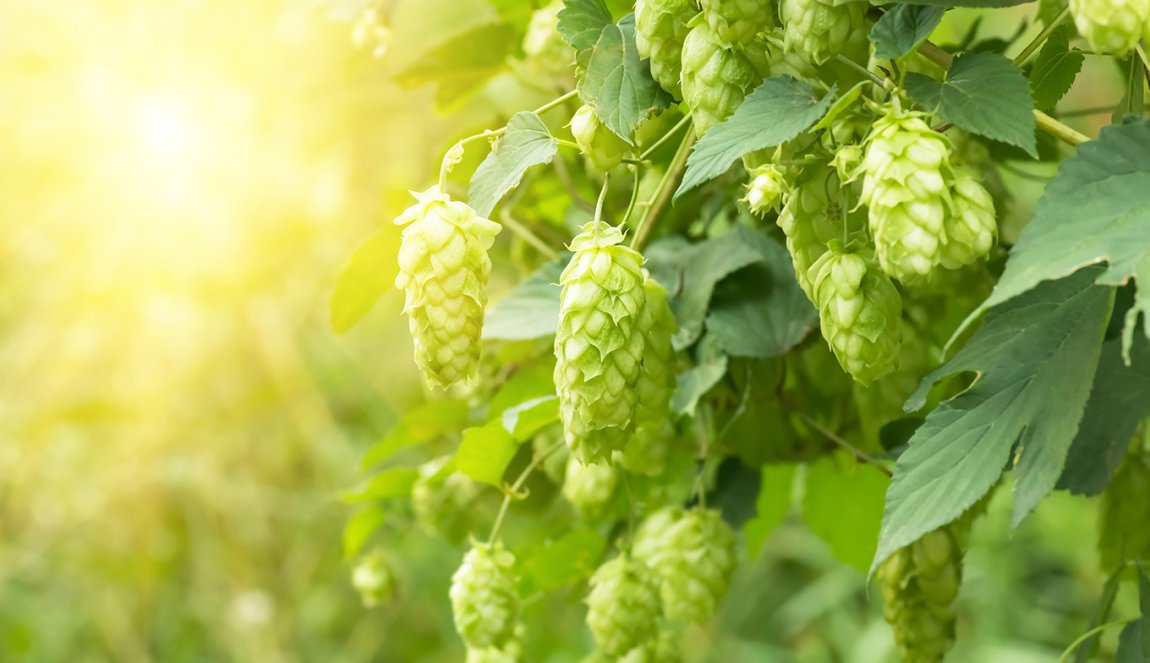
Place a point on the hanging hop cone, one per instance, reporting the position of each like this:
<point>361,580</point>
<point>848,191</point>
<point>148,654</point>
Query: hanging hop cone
<point>663,649</point>
<point>597,142</point>
<point>648,452</point>
<point>860,314</point>
<point>819,28</point>
<point>598,347</point>
<point>660,28</point>
<point>589,488</point>
<point>483,596</point>
<point>919,584</point>
<point>443,503</point>
<point>766,188</point>
<point>548,55</point>
<point>510,652</point>
<point>906,168</point>
<point>970,227</point>
<point>808,222</point>
<point>717,78</point>
<point>693,552</point>
<point>736,22</point>
<point>443,269</point>
<point>374,579</point>
<point>1112,26</point>
<point>623,606</point>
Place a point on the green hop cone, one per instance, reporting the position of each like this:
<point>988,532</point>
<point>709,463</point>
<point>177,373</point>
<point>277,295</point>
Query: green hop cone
<point>623,607</point>
<point>919,584</point>
<point>443,269</point>
<point>598,346</point>
<point>809,221</point>
<point>510,652</point>
<point>1125,512</point>
<point>374,579</point>
<point>663,649</point>
<point>860,314</point>
<point>660,28</point>
<point>819,28</point>
<point>443,501</point>
<point>693,552</point>
<point>589,488</point>
<point>483,597</point>
<point>736,22</point>
<point>1112,26</point>
<point>548,54</point>
<point>648,452</point>
<point>766,188</point>
<point>970,227</point>
<point>906,168</point>
<point>597,142</point>
<point>717,78</point>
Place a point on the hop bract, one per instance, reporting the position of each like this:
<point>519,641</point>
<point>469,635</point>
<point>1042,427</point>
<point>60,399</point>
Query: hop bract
<point>443,269</point>
<point>374,579</point>
<point>819,28</point>
<point>597,142</point>
<point>660,28</point>
<point>919,584</point>
<point>1112,26</point>
<point>970,227</point>
<point>623,607</point>
<point>736,22</point>
<point>716,78</point>
<point>589,488</point>
<point>693,552</point>
<point>860,313</point>
<point>483,597</point>
<point>648,451</point>
<point>598,346</point>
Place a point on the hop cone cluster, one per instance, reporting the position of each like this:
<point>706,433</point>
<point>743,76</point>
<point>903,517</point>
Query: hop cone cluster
<point>374,579</point>
<point>597,142</point>
<point>693,552</point>
<point>442,502</point>
<point>716,78</point>
<point>736,22</point>
<point>443,269</point>
<point>919,585</point>
<point>766,188</point>
<point>818,28</point>
<point>647,453</point>
<point>598,346</point>
<point>860,313</point>
<point>483,597</point>
<point>1112,26</point>
<point>589,488</point>
<point>660,28</point>
<point>970,228</point>
<point>1125,513</point>
<point>623,607</point>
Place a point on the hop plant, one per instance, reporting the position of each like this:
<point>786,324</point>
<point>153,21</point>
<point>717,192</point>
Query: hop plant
<point>660,28</point>
<point>766,188</point>
<point>693,552</point>
<point>919,584</point>
<point>443,269</point>
<point>1112,26</point>
<point>597,142</point>
<point>860,313</point>
<point>716,78</point>
<point>598,346</point>
<point>736,22</point>
<point>483,596</point>
<point>905,189</point>
<point>589,488</point>
<point>623,607</point>
<point>819,28</point>
<point>442,502</point>
<point>970,228</point>
<point>374,579</point>
<point>1125,512</point>
<point>647,453</point>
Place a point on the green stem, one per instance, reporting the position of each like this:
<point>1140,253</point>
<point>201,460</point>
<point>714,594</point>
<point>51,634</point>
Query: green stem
<point>874,78</point>
<point>663,191</point>
<point>634,196</point>
<point>855,451</point>
<point>511,492</point>
<point>1145,60</point>
<point>1087,635</point>
<point>526,233</point>
<point>1039,40</point>
<point>667,136</point>
<point>602,197</point>
<point>558,101</point>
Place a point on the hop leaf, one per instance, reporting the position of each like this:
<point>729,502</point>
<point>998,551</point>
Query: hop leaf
<point>660,28</point>
<point>970,228</point>
<point>860,313</point>
<point>819,28</point>
<point>483,596</point>
<point>647,453</point>
<point>919,584</point>
<point>374,579</point>
<point>716,78</point>
<point>602,147</point>
<point>443,269</point>
<point>693,552</point>
<point>589,488</point>
<point>1112,26</point>
<point>598,348</point>
<point>765,189</point>
<point>736,22</point>
<point>623,606</point>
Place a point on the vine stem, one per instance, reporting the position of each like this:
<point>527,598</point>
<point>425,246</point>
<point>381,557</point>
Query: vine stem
<point>667,136</point>
<point>602,197</point>
<point>1087,635</point>
<point>874,78</point>
<point>1039,40</point>
<point>634,195</point>
<point>663,192</point>
<point>855,451</point>
<point>510,493</point>
<point>526,233</point>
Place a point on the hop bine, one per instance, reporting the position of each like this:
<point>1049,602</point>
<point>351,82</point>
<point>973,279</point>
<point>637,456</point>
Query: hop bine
<point>623,607</point>
<point>693,552</point>
<point>660,28</point>
<point>483,597</point>
<point>443,270</point>
<point>716,78</point>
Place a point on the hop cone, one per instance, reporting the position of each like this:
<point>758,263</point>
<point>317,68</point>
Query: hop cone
<point>919,584</point>
<point>510,652</point>
<point>1125,513</point>
<point>717,78</point>
<point>860,313</point>
<point>374,579</point>
<point>623,606</point>
<point>648,451</point>
<point>589,488</point>
<point>660,28</point>
<point>765,189</point>
<point>442,503</point>
<point>807,221</point>
<point>483,597</point>
<point>970,227</point>
<point>905,189</point>
<point>693,552</point>
<point>736,22</point>
<point>663,649</point>
<point>598,348</point>
<point>600,144</point>
<point>819,28</point>
<point>1112,26</point>
<point>443,268</point>
<point>547,52</point>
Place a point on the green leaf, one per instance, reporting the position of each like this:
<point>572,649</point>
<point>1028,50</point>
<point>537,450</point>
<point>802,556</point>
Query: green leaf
<point>1035,359</point>
<point>532,380</point>
<point>985,94</point>
<point>563,561</point>
<point>1097,209</point>
<point>531,309</point>
<point>841,105</point>
<point>902,28</point>
<point>388,484</point>
<point>842,504</point>
<point>463,63</point>
<point>1134,641</point>
<point>526,143</point>
<point>420,425</point>
<point>485,452</point>
<point>696,381</point>
<point>760,311</point>
<point>360,528</point>
<point>1055,69</point>
<point>525,419</point>
<point>582,21</point>
<point>367,275</point>
<point>771,506</point>
<point>777,111</point>
<point>617,84</point>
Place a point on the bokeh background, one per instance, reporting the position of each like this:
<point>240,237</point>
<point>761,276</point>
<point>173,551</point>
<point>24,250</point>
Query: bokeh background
<point>180,183</point>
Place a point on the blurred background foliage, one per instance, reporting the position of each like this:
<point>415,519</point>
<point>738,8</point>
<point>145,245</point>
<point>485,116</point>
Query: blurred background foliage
<point>179,184</point>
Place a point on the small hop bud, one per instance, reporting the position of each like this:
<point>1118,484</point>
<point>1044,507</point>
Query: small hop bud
<point>660,28</point>
<point>970,227</point>
<point>693,552</point>
<point>483,596</point>
<point>589,488</point>
<point>623,607</point>
<point>597,142</point>
<point>919,584</point>
<point>1112,26</point>
<point>819,28</point>
<point>374,579</point>
<point>766,189</point>
<point>716,78</point>
<point>736,22</point>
